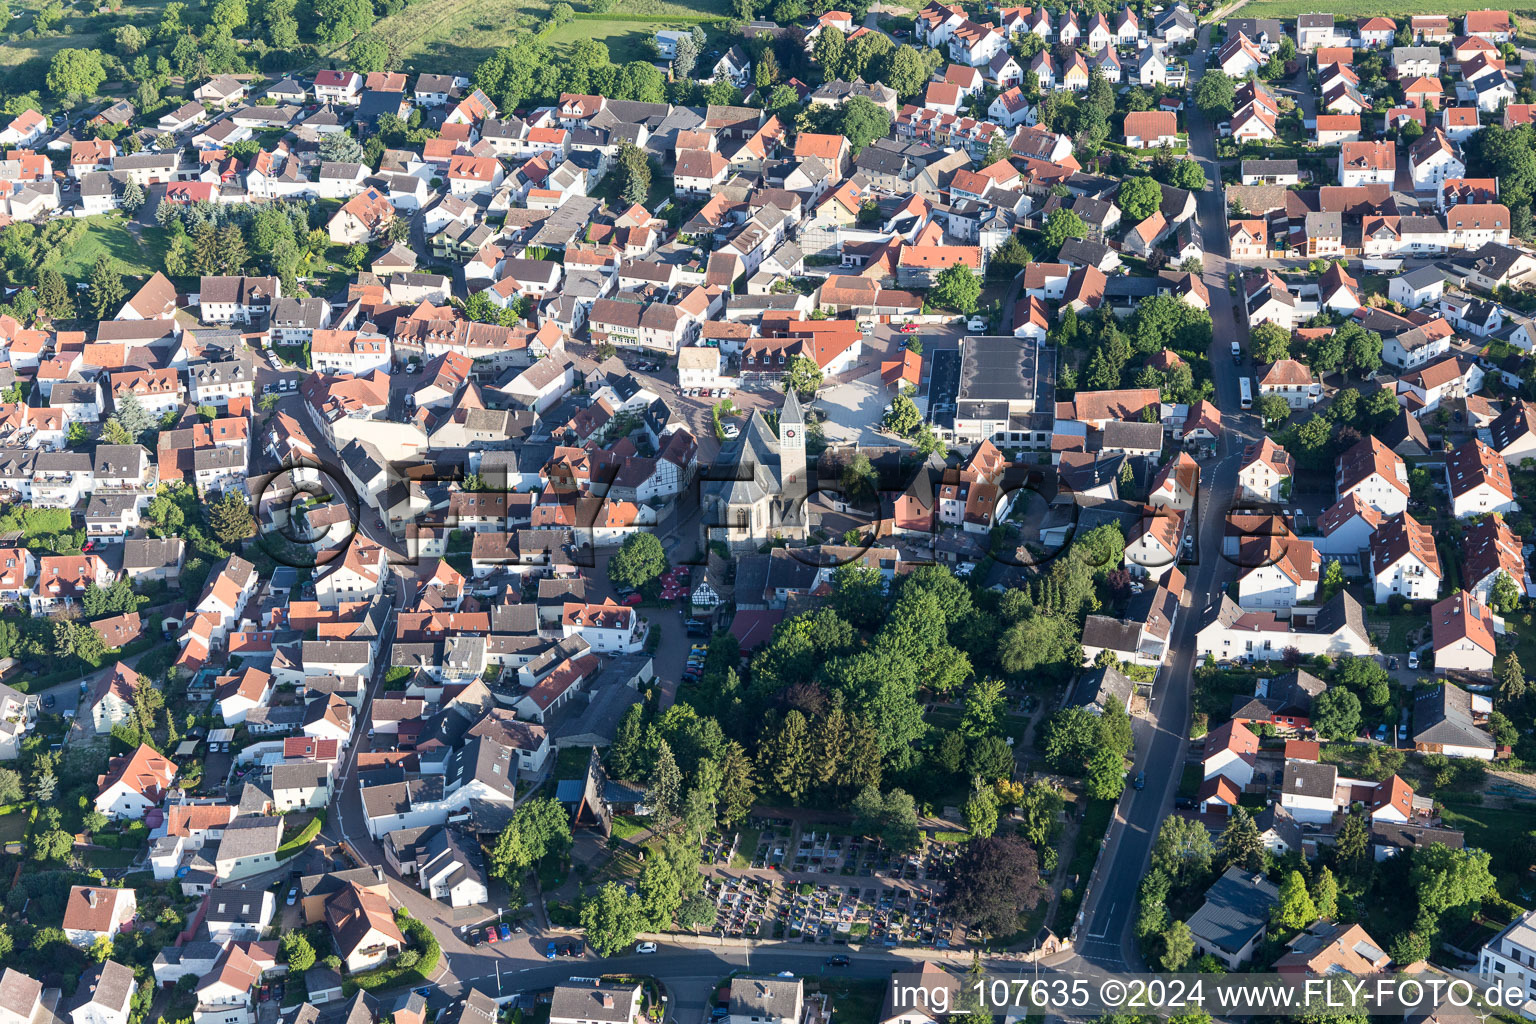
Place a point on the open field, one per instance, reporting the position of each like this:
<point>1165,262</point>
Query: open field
<point>456,35</point>
<point>26,60</point>
<point>106,233</point>
<point>1352,9</point>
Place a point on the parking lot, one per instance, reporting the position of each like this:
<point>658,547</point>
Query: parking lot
<point>854,411</point>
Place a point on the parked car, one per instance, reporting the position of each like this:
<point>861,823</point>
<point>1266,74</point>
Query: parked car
<point>549,951</point>
<point>491,936</point>
<point>646,947</point>
<point>48,700</point>
<point>1381,734</point>
<point>1140,782</point>
<point>731,431</point>
<point>1402,733</point>
<point>293,895</point>
<point>505,931</point>
<point>1413,659</point>
<point>976,323</point>
<point>909,328</point>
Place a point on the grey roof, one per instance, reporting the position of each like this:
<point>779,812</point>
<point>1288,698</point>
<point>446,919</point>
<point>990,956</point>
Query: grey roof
<point>1443,715</point>
<point>1270,167</point>
<point>237,906</point>
<point>300,775</point>
<point>773,998</point>
<point>1310,779</point>
<point>1405,836</point>
<point>1235,911</point>
<point>1343,611</point>
<point>1133,434</point>
<point>1099,684</point>
<point>248,837</point>
<point>109,985</point>
<point>605,1002</point>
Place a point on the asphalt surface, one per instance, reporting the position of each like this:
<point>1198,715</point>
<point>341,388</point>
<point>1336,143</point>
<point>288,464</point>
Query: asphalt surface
<point>1109,911</point>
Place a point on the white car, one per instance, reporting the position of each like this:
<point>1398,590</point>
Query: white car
<point>731,431</point>
<point>1413,659</point>
<point>976,323</point>
<point>646,947</point>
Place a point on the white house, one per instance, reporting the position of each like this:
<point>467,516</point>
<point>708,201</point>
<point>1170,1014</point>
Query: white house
<point>134,783</point>
<point>1404,560</point>
<point>1478,480</point>
<point>1265,473</point>
<point>1374,473</point>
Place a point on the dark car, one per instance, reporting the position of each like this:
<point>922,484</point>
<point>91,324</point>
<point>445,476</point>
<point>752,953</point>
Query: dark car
<point>48,700</point>
<point>840,960</point>
<point>1140,782</point>
<point>1183,803</point>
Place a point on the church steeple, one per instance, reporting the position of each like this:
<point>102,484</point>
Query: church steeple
<point>792,447</point>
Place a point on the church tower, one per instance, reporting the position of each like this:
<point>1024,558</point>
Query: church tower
<point>792,481</point>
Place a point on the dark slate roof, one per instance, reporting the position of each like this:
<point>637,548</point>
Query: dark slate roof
<point>1236,909</point>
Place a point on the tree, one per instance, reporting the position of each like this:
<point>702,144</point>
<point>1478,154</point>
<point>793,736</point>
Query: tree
<point>1295,909</point>
<point>802,375</point>
<point>53,294</point>
<point>639,560</point>
<point>863,120</point>
<point>665,790</point>
<point>1139,198</point>
<point>1269,343</point>
<point>1505,595</point>
<point>75,72</point>
<point>956,287</point>
<point>634,173</point>
<point>367,54</point>
<point>297,953</point>
<point>1061,225</point>
<point>980,812</point>
<point>1325,895</point>
<point>1274,410</point>
<point>738,785</point>
<point>1353,843</point>
<point>538,828</point>
<point>1450,881</point>
<point>903,417</point>
<point>10,786</point>
<point>341,147</point>
<point>1106,774</point>
<point>1182,850</point>
<point>612,918</point>
<point>1240,844</point>
<point>786,757</point>
<point>132,197</point>
<point>1215,95</point>
<point>1336,714</point>
<point>828,52</point>
<point>1512,685</point>
<point>685,57</point>
<point>993,881</point>
<point>230,518</point>
<point>1178,946</point>
<point>106,287</point>
<point>1188,175</point>
<point>1069,739</point>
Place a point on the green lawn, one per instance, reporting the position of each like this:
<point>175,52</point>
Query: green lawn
<point>1286,9</point>
<point>13,826</point>
<point>26,60</point>
<point>1497,830</point>
<point>444,35</point>
<point>107,233</point>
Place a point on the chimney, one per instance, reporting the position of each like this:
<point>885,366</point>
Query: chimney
<point>90,897</point>
<point>606,998</point>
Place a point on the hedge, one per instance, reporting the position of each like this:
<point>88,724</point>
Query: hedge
<point>419,938</point>
<point>304,838</point>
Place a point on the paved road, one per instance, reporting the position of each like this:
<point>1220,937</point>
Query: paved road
<point>1110,908</point>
